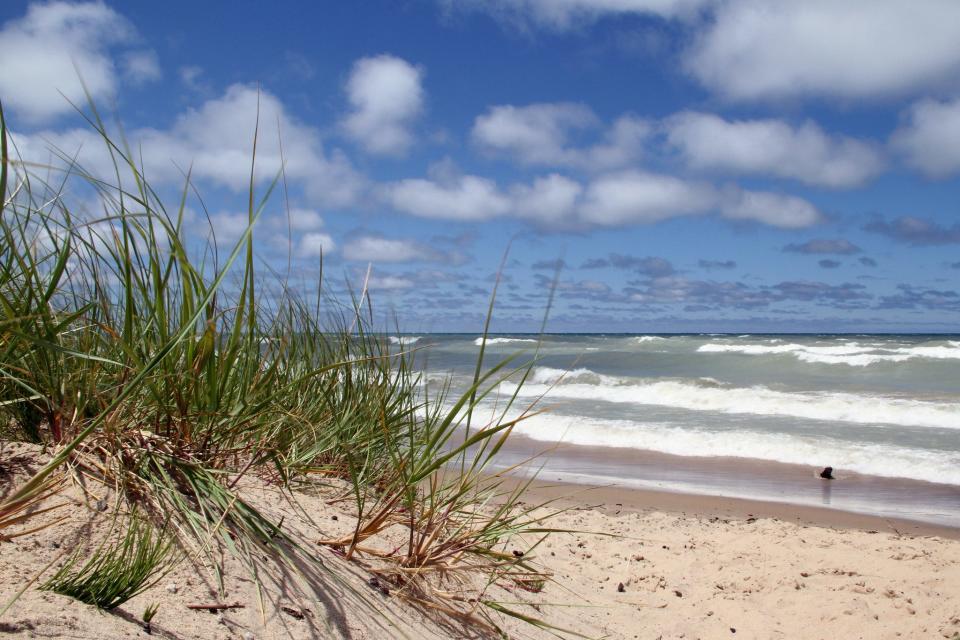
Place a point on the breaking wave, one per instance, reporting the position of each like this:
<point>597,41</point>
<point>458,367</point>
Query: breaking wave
<point>479,341</point>
<point>851,354</point>
<point>707,394</point>
<point>867,458</point>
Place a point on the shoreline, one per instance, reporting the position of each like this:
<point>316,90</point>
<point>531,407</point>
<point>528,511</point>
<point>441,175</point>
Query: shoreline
<point>624,563</point>
<point>614,500</point>
<point>643,479</point>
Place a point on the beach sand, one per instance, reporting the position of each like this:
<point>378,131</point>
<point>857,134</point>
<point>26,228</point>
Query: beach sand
<point>689,566</point>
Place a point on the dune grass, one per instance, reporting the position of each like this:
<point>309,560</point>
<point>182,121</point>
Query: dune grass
<point>168,373</point>
<point>118,570</point>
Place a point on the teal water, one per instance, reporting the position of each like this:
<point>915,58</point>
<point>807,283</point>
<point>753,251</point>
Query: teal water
<point>885,406</point>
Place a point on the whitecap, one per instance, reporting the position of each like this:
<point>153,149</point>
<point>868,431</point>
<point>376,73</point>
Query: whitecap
<point>479,341</point>
<point>866,458</point>
<point>704,395</point>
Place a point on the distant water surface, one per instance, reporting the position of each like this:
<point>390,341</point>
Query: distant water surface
<point>874,405</point>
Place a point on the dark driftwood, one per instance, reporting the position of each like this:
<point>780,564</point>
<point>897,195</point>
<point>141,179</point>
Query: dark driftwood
<point>216,606</point>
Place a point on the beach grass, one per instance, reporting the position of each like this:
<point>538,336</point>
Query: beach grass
<point>119,569</point>
<point>169,373</point>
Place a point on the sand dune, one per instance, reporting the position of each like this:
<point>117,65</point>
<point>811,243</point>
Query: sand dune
<point>655,567</point>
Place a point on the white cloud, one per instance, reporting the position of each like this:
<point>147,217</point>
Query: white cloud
<point>301,220</point>
<point>389,283</point>
<point>567,14</point>
<point>636,197</point>
<point>536,134</point>
<point>774,209</point>
<point>216,140</point>
<point>549,200</point>
<point>386,96</point>
<point>461,198</point>
<point>784,48</point>
<point>772,147</point>
<point>40,49</point>
<point>226,227</point>
<point>540,134</point>
<point>930,137</point>
<point>619,198</point>
<point>315,244</point>
<point>140,67</point>
<point>377,248</point>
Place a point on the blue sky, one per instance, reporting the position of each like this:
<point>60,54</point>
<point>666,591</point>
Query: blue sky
<point>692,165</point>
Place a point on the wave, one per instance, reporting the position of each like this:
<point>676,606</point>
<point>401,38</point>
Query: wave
<point>642,339</point>
<point>479,341</point>
<point>708,395</point>
<point>866,458</point>
<point>404,340</point>
<point>851,354</point>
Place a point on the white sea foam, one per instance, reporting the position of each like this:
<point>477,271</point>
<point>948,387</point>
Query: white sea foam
<point>852,354</point>
<point>479,341</point>
<point>404,340</point>
<point>867,458</point>
<point>702,395</point>
<point>852,360</point>
<point>642,339</point>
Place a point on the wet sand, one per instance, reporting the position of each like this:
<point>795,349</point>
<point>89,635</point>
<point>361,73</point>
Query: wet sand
<point>743,484</point>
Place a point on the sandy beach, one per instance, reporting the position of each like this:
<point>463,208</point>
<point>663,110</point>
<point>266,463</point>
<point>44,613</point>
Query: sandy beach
<point>642,564</point>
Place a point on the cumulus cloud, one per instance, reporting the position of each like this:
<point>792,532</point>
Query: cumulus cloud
<point>386,96</point>
<point>541,134</point>
<point>300,219</point>
<point>929,140</point>
<point>315,244</point>
<point>780,49</point>
<point>390,283</point>
<point>561,15</point>
<point>140,67</point>
<point>299,233</point>
<point>460,198</point>
<point>215,140</point>
<point>550,200</point>
<point>376,248</point>
<point>612,199</point>
<point>774,209</point>
<point>636,197</point>
<point>772,147</point>
<point>821,246</point>
<point>53,37</point>
<point>915,231</point>
<point>226,227</point>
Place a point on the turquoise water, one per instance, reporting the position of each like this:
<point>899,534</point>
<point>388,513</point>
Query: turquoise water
<point>885,406</point>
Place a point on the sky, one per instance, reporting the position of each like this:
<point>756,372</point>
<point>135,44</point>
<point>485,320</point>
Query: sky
<point>663,165</point>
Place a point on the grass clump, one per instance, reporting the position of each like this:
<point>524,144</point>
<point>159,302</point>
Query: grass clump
<point>117,571</point>
<point>169,373</point>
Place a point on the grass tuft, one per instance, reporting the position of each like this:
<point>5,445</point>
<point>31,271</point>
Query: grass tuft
<point>145,360</point>
<point>117,571</point>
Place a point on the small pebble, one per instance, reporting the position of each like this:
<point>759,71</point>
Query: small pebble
<point>172,587</point>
